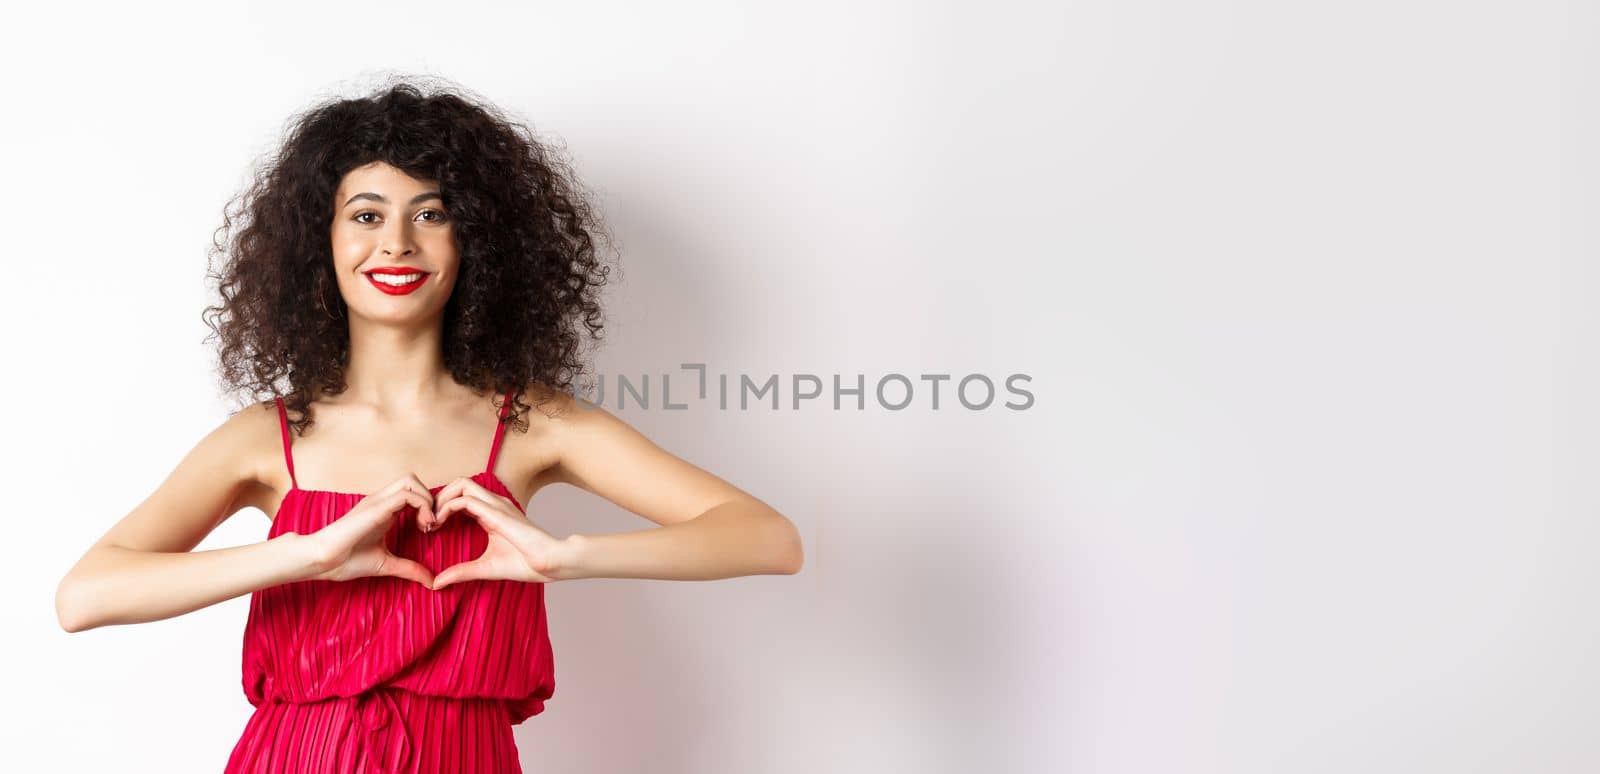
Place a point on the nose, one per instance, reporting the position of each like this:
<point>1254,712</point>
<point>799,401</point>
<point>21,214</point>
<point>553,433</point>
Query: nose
<point>396,239</point>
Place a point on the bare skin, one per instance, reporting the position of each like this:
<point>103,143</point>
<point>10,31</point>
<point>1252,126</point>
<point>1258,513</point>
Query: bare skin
<point>401,427</point>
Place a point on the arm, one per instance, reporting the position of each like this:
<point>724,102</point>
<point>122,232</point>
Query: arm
<point>709,528</point>
<point>142,569</point>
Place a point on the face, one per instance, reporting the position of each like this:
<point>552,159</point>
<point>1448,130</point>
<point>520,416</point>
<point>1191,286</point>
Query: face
<point>394,247</point>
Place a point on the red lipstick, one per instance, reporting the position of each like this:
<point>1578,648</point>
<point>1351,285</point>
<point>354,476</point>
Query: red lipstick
<point>396,271</point>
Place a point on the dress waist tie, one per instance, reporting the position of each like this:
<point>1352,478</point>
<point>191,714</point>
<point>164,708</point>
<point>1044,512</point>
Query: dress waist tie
<point>383,730</point>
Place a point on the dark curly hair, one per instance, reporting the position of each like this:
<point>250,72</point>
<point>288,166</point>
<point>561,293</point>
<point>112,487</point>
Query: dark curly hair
<point>526,233</point>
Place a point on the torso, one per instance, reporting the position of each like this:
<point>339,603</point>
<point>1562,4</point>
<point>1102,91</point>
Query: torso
<point>349,449</point>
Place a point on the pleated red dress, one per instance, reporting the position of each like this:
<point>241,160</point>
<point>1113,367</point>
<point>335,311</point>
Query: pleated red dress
<point>383,675</point>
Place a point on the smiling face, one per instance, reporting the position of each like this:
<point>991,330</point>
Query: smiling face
<point>394,246</point>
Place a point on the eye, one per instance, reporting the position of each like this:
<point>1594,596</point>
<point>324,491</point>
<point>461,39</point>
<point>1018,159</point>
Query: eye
<point>439,216</point>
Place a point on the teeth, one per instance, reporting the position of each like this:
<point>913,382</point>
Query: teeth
<point>396,279</point>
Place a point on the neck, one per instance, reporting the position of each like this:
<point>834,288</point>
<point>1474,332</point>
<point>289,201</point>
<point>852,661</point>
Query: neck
<point>398,368</point>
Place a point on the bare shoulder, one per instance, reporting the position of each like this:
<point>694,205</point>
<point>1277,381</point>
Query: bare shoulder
<point>577,434</point>
<point>557,416</point>
<point>533,453</point>
<point>246,452</point>
<point>256,441</point>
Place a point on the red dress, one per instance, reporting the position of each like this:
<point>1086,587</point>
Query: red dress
<point>381,675</point>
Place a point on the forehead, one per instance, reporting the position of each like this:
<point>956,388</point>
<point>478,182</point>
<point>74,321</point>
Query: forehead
<point>380,177</point>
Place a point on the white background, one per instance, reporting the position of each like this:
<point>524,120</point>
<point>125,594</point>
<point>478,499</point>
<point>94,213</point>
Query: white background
<point>1306,293</point>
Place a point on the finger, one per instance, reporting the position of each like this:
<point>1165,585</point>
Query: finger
<point>424,512</point>
<point>445,495</point>
<point>488,514</point>
<point>410,482</point>
<point>468,486</point>
<point>407,496</point>
<point>427,519</point>
<point>454,489</point>
<point>416,484</point>
<point>372,511</point>
<point>465,488</point>
<point>477,569</point>
<point>389,506</point>
<point>401,567</point>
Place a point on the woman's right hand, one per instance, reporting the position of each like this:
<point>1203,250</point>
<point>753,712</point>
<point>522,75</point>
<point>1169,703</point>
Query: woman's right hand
<point>353,545</point>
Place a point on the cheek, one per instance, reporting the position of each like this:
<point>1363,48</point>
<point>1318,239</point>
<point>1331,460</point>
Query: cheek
<point>442,248</point>
<point>440,242</point>
<point>348,249</point>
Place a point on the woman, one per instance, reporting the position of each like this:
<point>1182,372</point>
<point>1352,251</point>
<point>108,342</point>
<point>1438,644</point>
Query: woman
<point>408,279</point>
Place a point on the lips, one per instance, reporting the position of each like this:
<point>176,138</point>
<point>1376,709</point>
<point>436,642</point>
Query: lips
<point>391,279</point>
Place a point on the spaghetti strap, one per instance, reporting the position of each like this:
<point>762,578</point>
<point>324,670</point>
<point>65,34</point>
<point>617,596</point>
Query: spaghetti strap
<point>283,426</point>
<point>499,432</point>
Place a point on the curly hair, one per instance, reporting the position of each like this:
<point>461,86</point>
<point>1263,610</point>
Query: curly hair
<point>526,233</point>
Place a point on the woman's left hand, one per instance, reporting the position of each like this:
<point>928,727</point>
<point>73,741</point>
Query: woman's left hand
<point>517,549</point>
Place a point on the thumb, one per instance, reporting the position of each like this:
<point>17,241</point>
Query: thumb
<point>400,567</point>
<point>477,569</point>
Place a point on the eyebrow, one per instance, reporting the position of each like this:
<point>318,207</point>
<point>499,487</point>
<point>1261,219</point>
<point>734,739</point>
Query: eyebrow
<point>421,197</point>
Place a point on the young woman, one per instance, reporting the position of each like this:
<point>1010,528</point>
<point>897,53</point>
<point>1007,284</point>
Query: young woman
<point>409,280</point>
